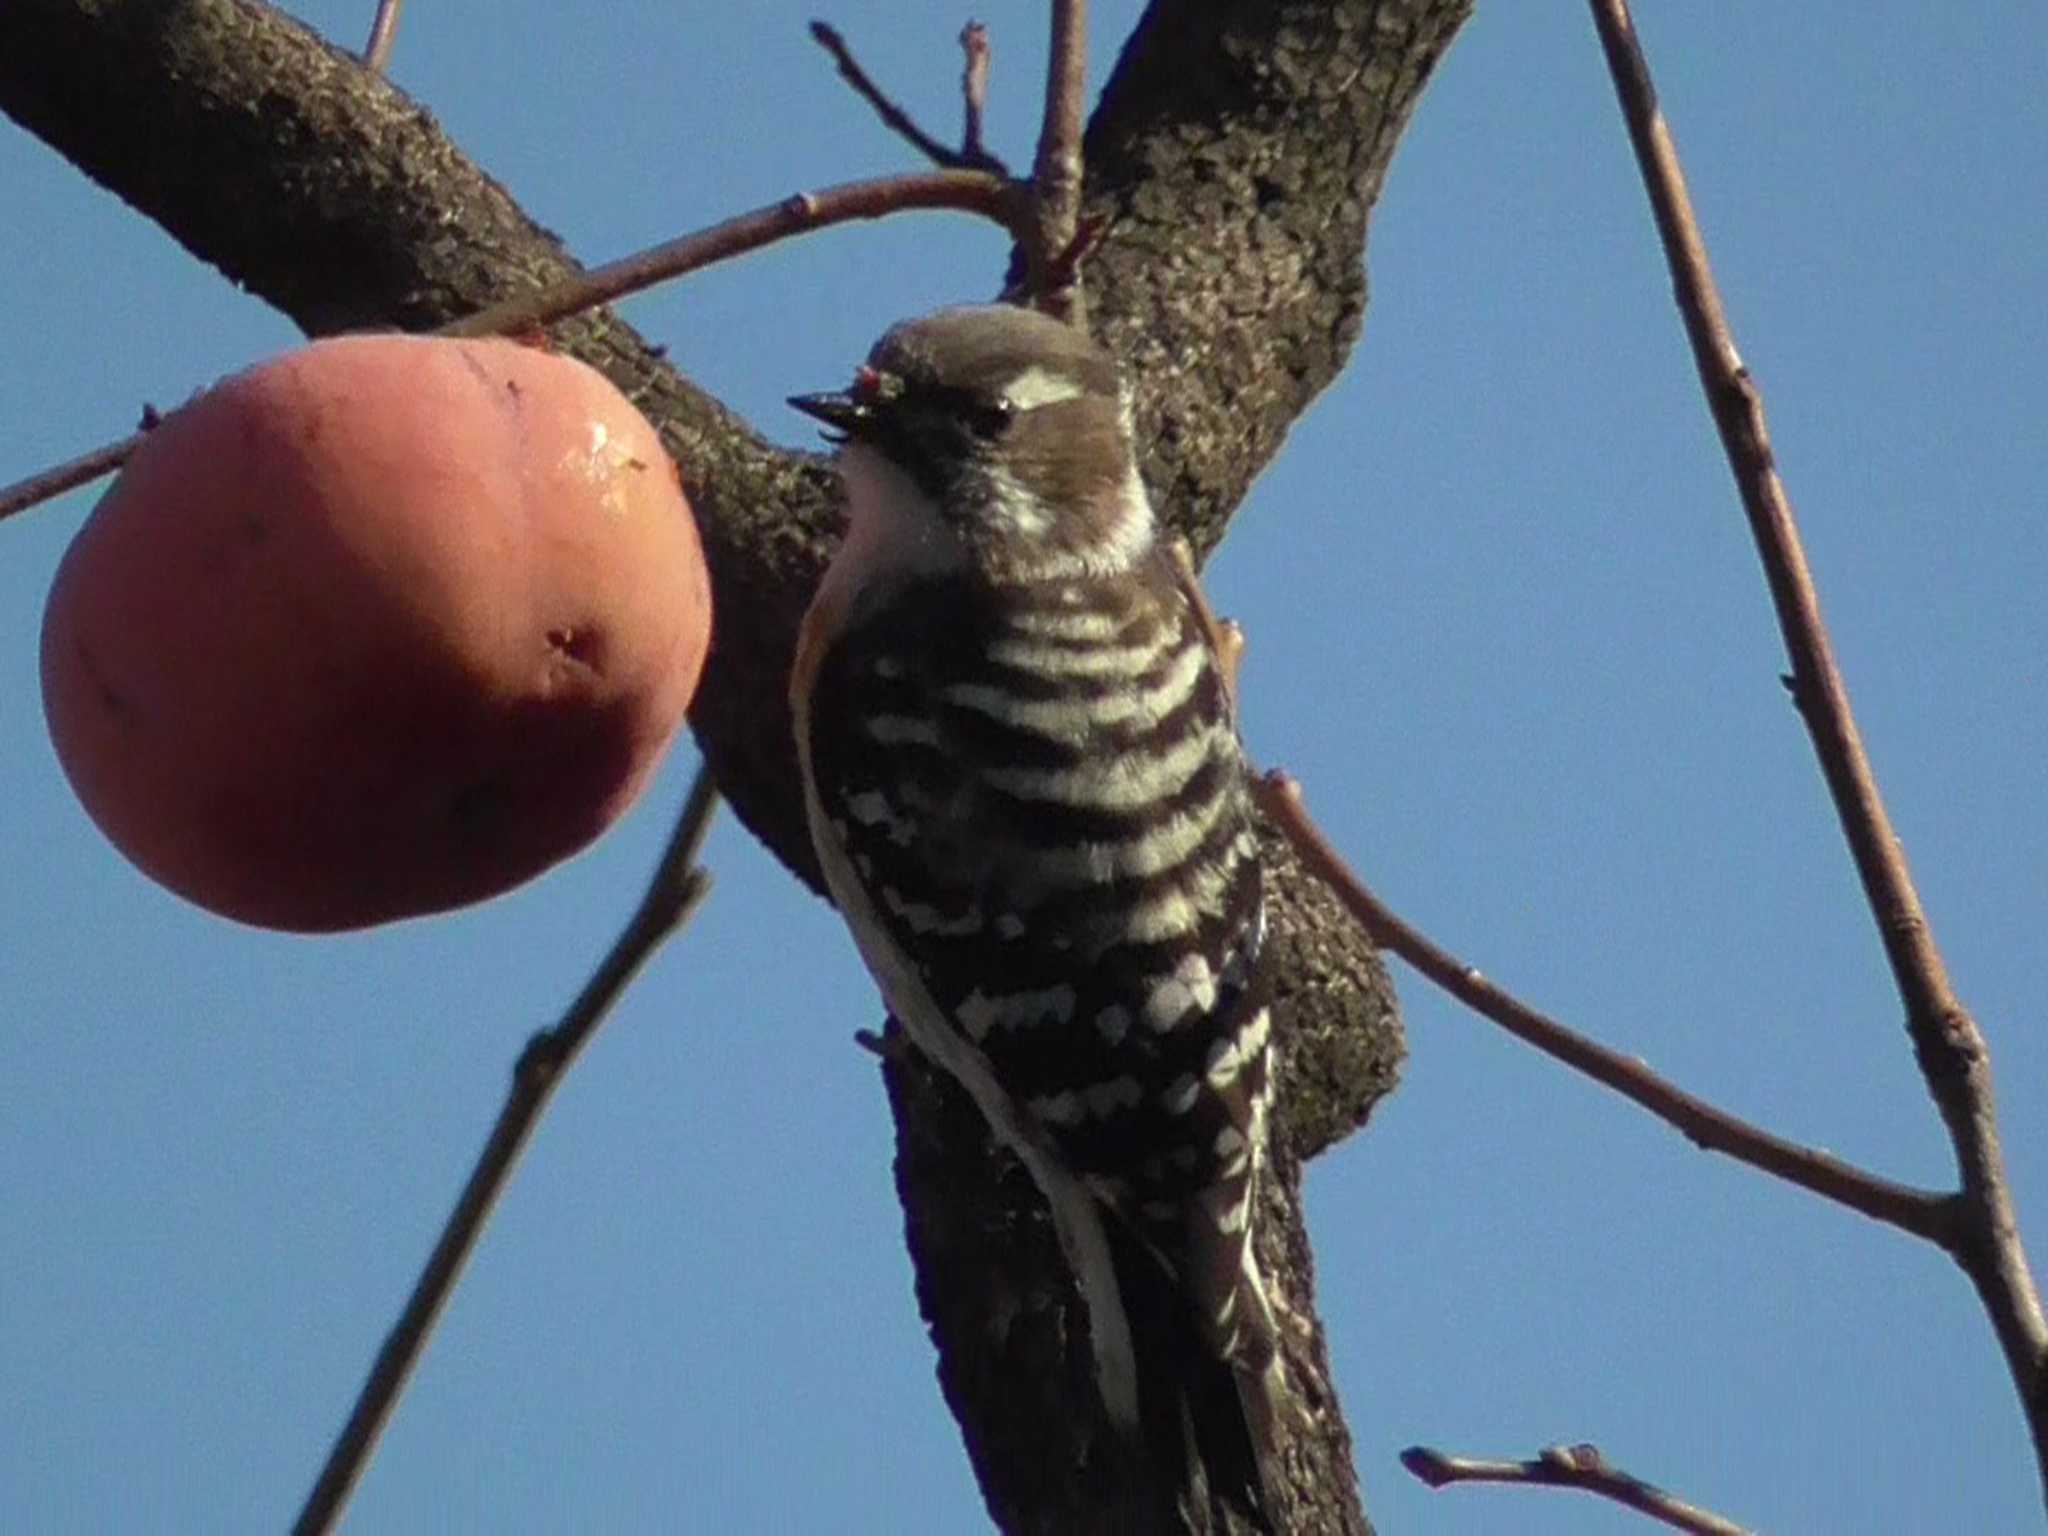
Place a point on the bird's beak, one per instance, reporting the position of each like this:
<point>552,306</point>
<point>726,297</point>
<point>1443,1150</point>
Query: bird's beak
<point>839,411</point>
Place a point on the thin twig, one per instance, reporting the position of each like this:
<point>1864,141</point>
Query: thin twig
<point>1951,1050</point>
<point>1057,173</point>
<point>966,191</point>
<point>1924,1213</point>
<point>673,894</point>
<point>975,57</point>
<point>969,157</point>
<point>977,192</point>
<point>383,33</point>
<point>46,484</point>
<point>1063,271</point>
<point>1571,1466</point>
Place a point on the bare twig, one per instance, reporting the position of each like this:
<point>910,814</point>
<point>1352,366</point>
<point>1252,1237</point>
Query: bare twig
<point>1057,173</point>
<point>1924,1213</point>
<point>1063,271</point>
<point>49,483</point>
<point>969,157</point>
<point>1570,1466</point>
<point>383,33</point>
<point>966,191</point>
<point>974,96</point>
<point>1951,1051</point>
<point>1226,636</point>
<point>672,896</point>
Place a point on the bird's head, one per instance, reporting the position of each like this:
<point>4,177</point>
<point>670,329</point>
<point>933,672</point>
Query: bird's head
<point>996,433</point>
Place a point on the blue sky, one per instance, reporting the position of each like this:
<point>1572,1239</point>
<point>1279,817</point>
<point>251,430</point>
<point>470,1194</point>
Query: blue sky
<point>1506,624</point>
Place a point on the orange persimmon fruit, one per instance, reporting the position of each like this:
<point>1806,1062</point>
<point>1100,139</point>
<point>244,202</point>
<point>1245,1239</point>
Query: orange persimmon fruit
<point>381,626</point>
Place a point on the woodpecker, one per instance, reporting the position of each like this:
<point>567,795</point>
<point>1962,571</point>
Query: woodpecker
<point>1023,779</point>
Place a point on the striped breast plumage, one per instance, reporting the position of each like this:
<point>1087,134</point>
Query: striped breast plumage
<point>1041,792</point>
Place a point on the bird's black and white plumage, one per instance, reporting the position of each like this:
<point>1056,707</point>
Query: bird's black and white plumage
<point>1025,786</point>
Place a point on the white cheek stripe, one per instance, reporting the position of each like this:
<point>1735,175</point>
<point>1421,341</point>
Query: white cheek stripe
<point>1037,386</point>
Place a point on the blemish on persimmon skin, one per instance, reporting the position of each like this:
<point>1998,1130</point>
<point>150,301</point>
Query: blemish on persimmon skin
<point>116,703</point>
<point>468,360</point>
<point>577,645</point>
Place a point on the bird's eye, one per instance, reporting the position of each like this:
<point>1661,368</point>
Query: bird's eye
<point>990,418</point>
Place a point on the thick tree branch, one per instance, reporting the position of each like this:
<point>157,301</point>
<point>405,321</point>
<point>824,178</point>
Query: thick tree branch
<point>1265,127</point>
<point>1234,159</point>
<point>1952,1053</point>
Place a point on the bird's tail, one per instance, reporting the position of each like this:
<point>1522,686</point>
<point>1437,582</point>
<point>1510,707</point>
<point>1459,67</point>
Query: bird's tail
<point>1209,1425</point>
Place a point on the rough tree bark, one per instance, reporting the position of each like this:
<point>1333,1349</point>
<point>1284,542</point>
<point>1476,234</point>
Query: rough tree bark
<point>1238,150</point>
